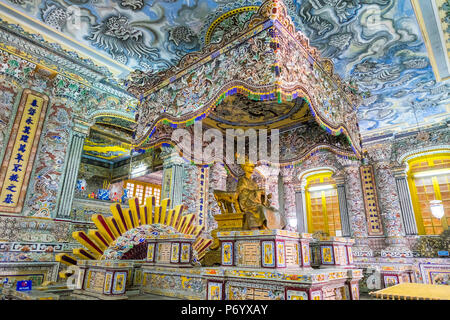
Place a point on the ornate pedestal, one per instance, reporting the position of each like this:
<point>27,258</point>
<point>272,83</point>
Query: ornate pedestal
<point>334,252</point>
<point>260,264</point>
<point>265,249</point>
<point>225,222</point>
<point>170,250</point>
<point>103,280</point>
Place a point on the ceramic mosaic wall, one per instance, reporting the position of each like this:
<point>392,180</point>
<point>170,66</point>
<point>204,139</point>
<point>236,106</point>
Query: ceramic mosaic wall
<point>190,187</point>
<point>25,239</point>
<point>296,143</point>
<point>217,181</point>
<point>388,197</point>
<point>7,99</point>
<point>421,270</point>
<point>230,67</point>
<point>332,106</point>
<point>431,138</point>
<point>49,165</point>
<point>355,202</point>
<point>289,196</point>
<point>95,177</point>
<point>175,285</point>
<point>350,170</point>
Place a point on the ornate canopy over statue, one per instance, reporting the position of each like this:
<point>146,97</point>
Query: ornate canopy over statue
<point>269,66</point>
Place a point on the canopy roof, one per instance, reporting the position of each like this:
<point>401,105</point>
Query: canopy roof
<point>268,61</point>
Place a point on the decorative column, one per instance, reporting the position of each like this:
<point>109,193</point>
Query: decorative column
<point>407,212</point>
<point>389,202</point>
<point>173,171</point>
<point>272,187</point>
<point>300,209</point>
<point>217,181</point>
<point>231,183</point>
<point>355,208</point>
<point>80,131</point>
<point>342,198</point>
<point>288,195</point>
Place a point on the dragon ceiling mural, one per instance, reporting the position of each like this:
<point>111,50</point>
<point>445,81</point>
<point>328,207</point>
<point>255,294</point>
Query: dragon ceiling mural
<point>376,44</point>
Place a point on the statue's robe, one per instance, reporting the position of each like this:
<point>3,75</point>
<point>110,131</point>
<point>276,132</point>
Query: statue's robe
<point>249,198</point>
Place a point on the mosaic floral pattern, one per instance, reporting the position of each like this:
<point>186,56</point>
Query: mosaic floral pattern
<point>133,238</point>
<point>217,181</point>
<point>388,199</point>
<point>434,138</point>
<point>334,107</point>
<point>170,284</point>
<point>190,188</point>
<point>355,203</point>
<point>9,93</point>
<point>297,143</point>
<point>49,164</point>
<point>244,63</point>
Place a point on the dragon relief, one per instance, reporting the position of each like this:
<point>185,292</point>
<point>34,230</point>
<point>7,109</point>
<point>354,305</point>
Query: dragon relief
<point>118,36</point>
<point>132,4</point>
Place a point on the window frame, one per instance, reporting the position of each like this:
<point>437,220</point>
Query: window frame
<point>144,185</point>
<point>327,213</point>
<point>416,203</point>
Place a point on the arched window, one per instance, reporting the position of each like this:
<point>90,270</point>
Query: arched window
<point>429,179</point>
<point>322,204</point>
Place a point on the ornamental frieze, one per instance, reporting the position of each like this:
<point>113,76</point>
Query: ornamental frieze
<point>270,60</point>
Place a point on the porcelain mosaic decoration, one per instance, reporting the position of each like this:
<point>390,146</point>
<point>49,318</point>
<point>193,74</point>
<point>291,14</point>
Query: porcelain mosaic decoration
<point>376,43</point>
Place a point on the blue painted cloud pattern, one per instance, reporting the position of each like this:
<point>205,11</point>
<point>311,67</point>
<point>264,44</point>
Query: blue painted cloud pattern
<point>378,45</point>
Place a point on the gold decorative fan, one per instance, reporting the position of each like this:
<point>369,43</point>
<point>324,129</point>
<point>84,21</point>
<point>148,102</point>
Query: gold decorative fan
<point>109,229</point>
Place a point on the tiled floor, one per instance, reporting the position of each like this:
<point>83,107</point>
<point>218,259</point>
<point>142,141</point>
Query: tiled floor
<point>148,296</point>
<point>157,297</point>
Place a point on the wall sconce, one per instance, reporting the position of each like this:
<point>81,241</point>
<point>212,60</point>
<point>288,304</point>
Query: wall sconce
<point>437,208</point>
<point>293,222</point>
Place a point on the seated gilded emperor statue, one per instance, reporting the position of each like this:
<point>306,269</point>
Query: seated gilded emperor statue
<point>255,204</point>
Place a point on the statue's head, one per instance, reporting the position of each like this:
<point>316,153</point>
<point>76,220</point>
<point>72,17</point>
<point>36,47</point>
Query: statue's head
<point>248,166</point>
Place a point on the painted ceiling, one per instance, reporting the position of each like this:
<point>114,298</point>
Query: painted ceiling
<point>240,112</point>
<point>377,44</point>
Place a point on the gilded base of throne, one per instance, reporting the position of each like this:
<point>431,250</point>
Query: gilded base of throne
<point>225,222</point>
<point>230,221</point>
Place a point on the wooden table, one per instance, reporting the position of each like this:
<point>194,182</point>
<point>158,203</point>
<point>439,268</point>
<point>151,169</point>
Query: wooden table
<point>413,291</point>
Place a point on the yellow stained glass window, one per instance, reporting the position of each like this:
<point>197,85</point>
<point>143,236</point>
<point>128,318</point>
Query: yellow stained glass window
<point>429,180</point>
<point>322,204</point>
